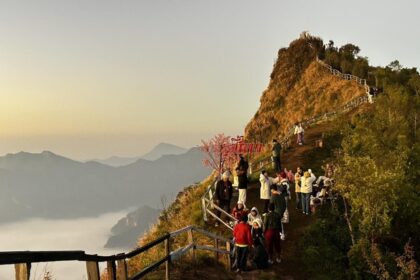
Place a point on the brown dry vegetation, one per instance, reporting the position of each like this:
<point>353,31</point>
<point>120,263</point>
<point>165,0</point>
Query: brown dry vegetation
<point>302,88</point>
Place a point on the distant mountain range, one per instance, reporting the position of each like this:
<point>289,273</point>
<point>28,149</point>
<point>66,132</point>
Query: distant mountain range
<point>160,150</point>
<point>128,229</point>
<point>47,185</point>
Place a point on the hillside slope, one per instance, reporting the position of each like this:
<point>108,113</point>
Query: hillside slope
<point>299,88</point>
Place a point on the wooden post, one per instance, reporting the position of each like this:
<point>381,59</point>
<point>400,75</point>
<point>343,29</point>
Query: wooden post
<point>216,246</point>
<point>191,241</point>
<point>111,270</point>
<point>228,262</point>
<point>22,271</point>
<point>167,252</point>
<point>122,270</point>
<point>92,269</point>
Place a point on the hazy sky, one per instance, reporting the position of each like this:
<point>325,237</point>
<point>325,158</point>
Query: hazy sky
<point>95,78</point>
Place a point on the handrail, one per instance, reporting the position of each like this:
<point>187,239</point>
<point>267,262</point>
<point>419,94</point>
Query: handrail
<point>207,203</point>
<point>324,116</point>
<point>25,258</point>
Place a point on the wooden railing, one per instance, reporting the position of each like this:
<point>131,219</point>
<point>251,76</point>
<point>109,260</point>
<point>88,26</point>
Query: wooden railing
<point>208,206</point>
<point>117,264</point>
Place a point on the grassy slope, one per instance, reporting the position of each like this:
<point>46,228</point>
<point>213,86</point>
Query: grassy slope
<point>186,210</point>
<point>315,92</point>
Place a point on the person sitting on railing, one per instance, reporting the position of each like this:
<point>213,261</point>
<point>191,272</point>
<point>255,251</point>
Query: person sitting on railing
<point>259,256</point>
<point>242,173</point>
<point>243,240</point>
<point>239,211</point>
<point>271,228</point>
<point>275,155</point>
<point>299,132</point>
<point>253,216</point>
<point>265,193</point>
<point>223,194</point>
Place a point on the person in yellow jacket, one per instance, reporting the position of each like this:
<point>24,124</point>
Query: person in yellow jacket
<point>306,189</point>
<point>298,176</point>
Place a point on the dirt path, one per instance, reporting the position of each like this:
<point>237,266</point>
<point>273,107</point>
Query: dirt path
<point>292,266</point>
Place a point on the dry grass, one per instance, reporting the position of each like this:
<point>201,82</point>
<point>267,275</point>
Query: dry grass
<point>315,92</point>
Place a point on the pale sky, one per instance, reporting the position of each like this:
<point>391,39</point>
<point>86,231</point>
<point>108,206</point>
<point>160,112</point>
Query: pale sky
<point>89,79</point>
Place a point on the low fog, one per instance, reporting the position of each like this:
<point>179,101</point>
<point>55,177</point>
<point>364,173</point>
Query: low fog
<point>88,234</point>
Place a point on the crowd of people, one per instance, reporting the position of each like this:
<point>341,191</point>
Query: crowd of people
<point>258,235</point>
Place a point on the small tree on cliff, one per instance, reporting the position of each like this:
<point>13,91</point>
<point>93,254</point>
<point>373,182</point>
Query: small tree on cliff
<point>219,154</point>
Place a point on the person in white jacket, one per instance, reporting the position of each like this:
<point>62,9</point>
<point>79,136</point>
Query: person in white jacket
<point>265,194</point>
<point>307,180</point>
<point>299,132</point>
<point>253,216</point>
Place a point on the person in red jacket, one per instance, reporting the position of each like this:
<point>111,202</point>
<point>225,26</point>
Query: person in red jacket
<point>239,211</point>
<point>243,240</point>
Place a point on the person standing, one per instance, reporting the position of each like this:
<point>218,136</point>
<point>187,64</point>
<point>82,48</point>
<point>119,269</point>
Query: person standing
<point>243,240</point>
<point>239,211</point>
<point>242,173</point>
<point>278,198</point>
<point>306,188</point>
<point>298,176</point>
<point>223,194</point>
<point>266,182</point>
<point>299,132</point>
<point>259,257</point>
<point>275,156</point>
<point>272,227</point>
<point>253,216</point>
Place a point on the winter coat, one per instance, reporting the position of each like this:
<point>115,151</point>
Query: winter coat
<point>257,233</point>
<point>238,214</point>
<point>298,129</point>
<point>275,151</point>
<point>285,186</point>
<point>260,259</point>
<point>298,177</point>
<point>224,190</point>
<point>306,183</point>
<point>252,219</point>
<point>241,171</point>
<point>242,234</point>
<point>272,220</point>
<point>279,201</point>
<point>266,183</point>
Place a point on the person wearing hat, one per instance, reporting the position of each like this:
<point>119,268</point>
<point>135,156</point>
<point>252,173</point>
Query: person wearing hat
<point>239,211</point>
<point>243,240</point>
<point>223,194</point>
<point>253,216</point>
<point>307,181</point>
<point>275,155</point>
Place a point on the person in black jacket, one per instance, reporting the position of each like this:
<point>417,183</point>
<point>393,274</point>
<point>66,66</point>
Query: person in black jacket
<point>223,194</point>
<point>242,173</point>
<point>259,257</point>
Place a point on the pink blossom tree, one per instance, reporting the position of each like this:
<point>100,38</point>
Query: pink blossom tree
<point>219,153</point>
